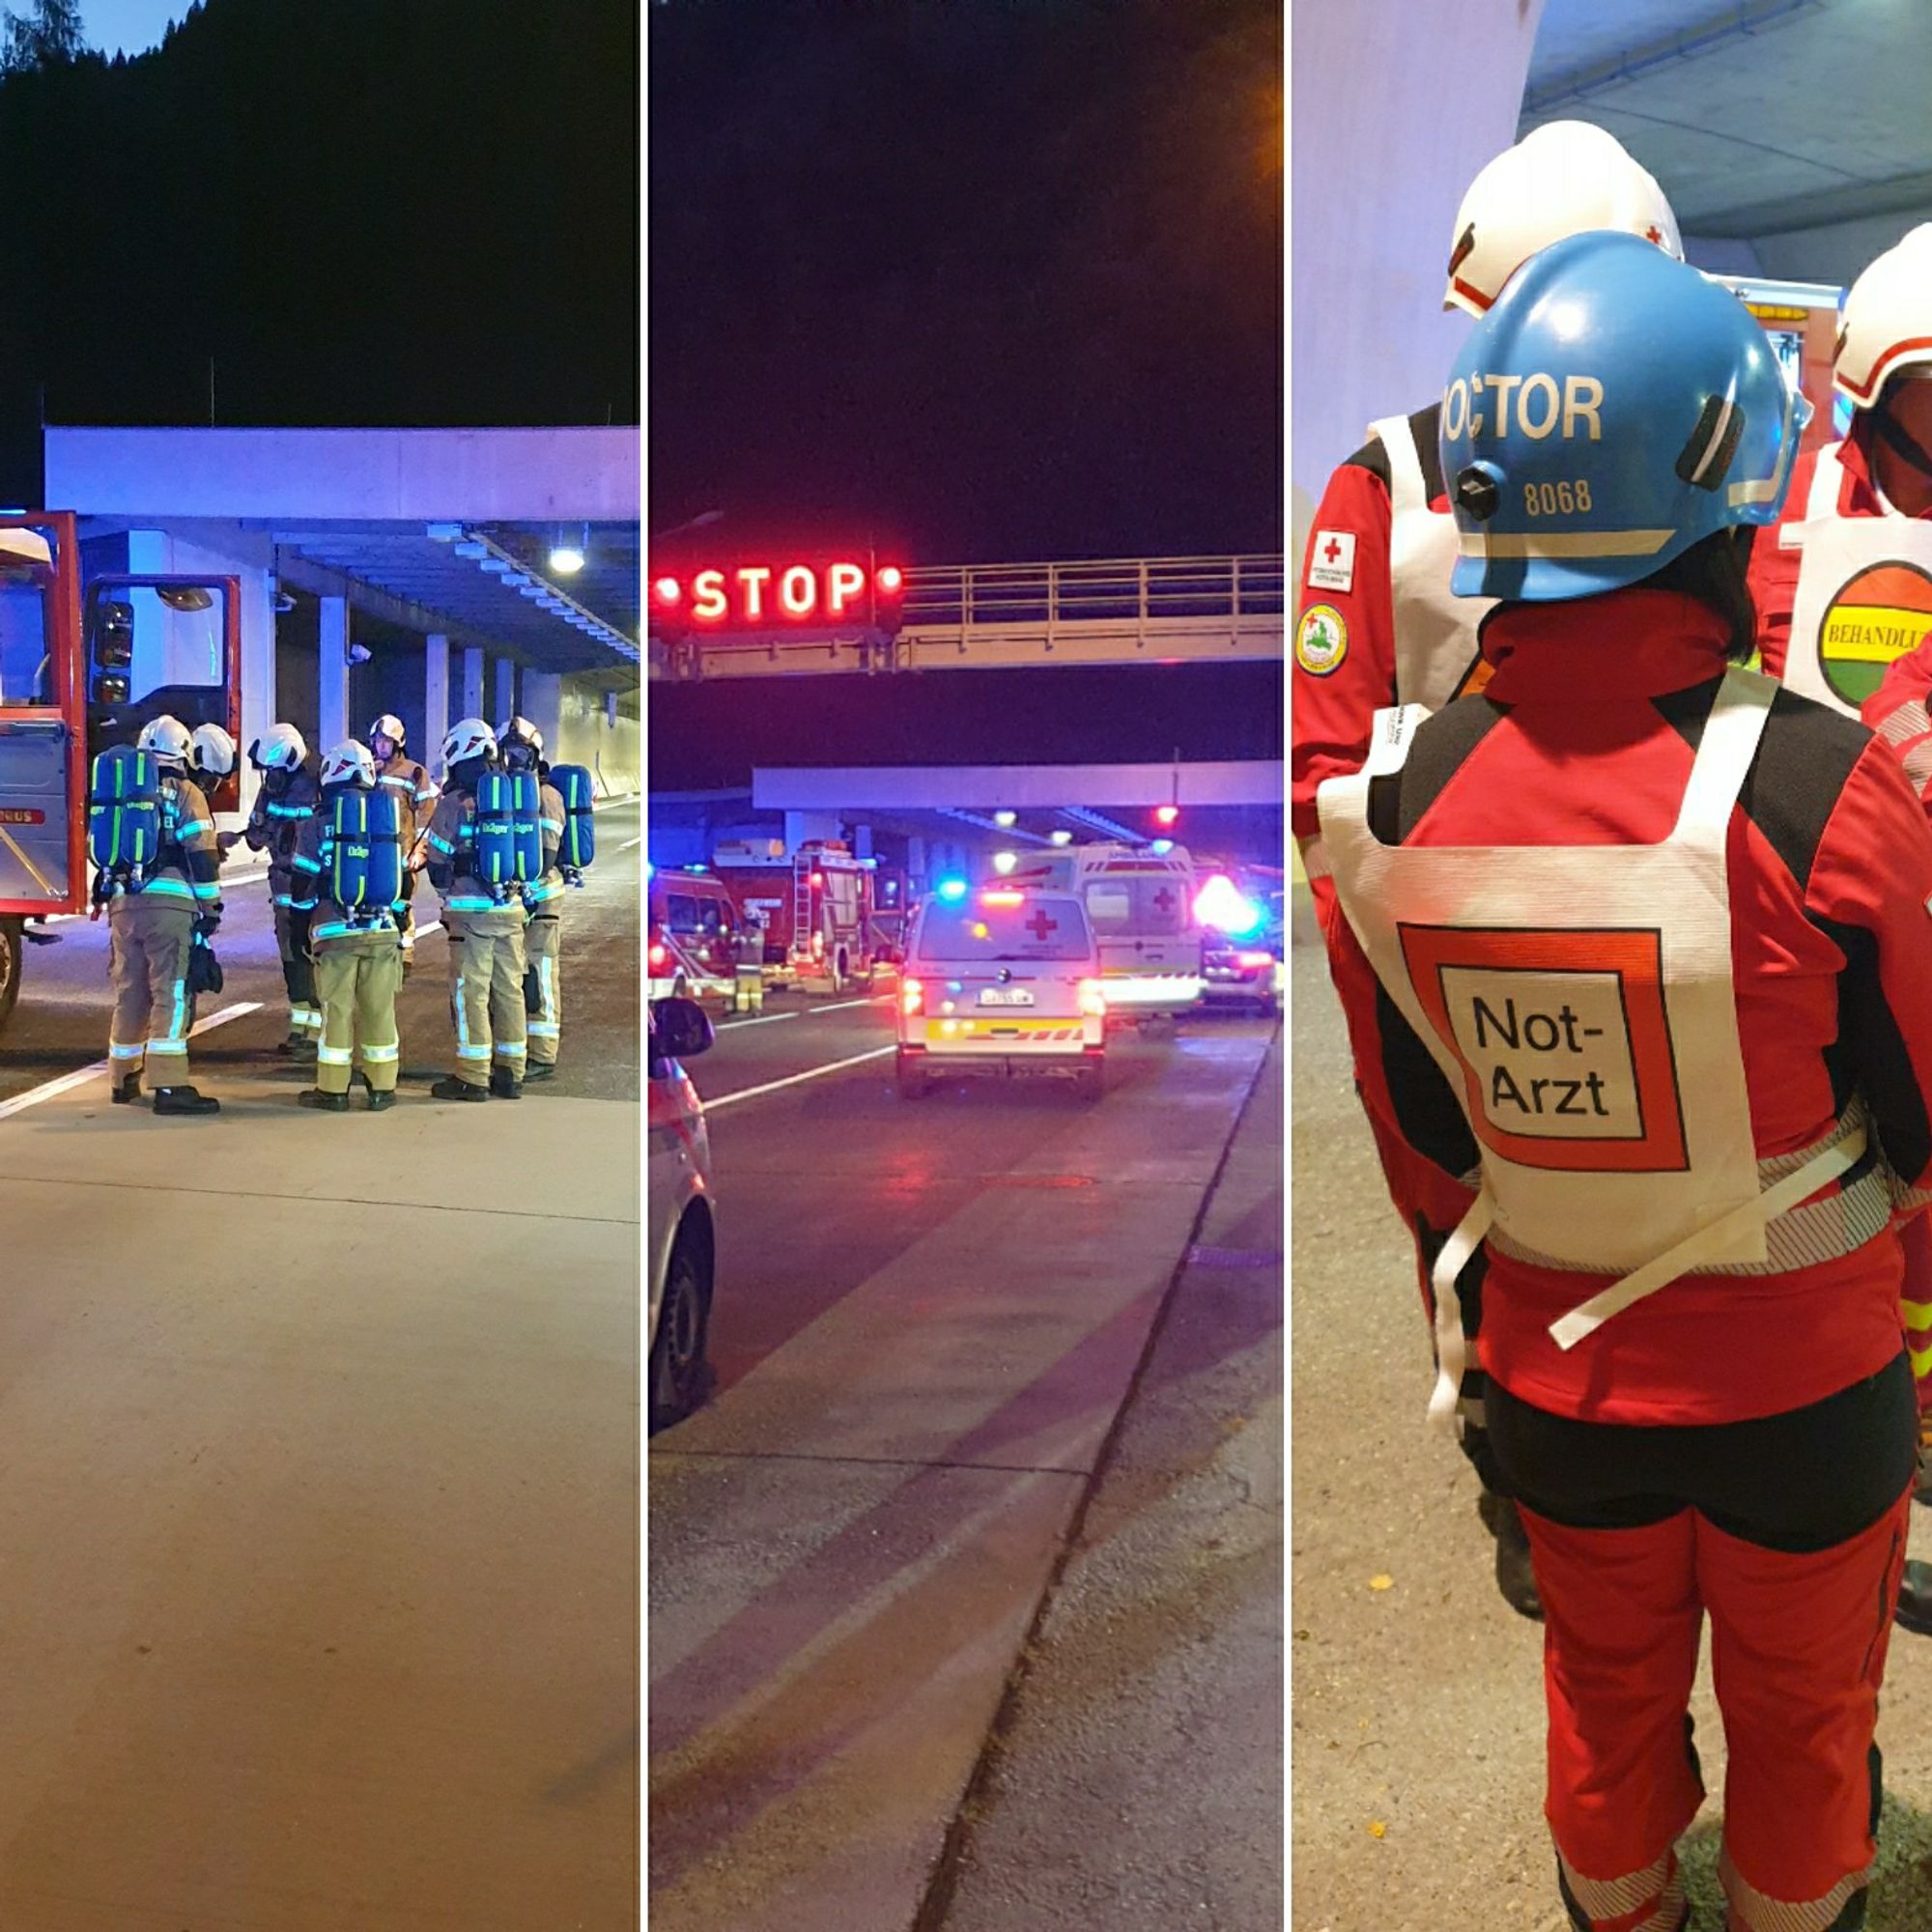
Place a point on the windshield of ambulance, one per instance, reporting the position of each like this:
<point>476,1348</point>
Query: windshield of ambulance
<point>1137,903</point>
<point>1039,927</point>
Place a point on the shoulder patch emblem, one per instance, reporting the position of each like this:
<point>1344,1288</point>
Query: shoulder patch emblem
<point>1320,639</point>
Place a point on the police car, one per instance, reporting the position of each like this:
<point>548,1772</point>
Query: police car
<point>683,1242</point>
<point>1001,981</point>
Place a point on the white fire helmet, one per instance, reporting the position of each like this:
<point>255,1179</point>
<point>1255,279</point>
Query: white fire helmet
<point>166,737</point>
<point>349,763</point>
<point>211,750</point>
<point>469,738</point>
<point>520,731</point>
<point>1562,178</point>
<point>279,749</point>
<point>388,727</point>
<point>1886,327</point>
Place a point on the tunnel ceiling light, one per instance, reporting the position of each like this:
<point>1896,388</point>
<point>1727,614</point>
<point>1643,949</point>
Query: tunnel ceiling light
<point>1003,819</point>
<point>1063,837</point>
<point>1004,862</point>
<point>566,560</point>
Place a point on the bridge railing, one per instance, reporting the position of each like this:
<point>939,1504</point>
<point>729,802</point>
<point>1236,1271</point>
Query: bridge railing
<point>1134,590</point>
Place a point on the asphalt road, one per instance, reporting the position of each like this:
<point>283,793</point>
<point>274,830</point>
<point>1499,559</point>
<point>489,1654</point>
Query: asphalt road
<point>60,1024</point>
<point>930,1317</point>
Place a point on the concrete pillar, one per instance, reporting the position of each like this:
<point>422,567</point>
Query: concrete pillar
<point>332,663</point>
<point>436,697</point>
<point>862,841</point>
<point>506,692</point>
<point>543,706</point>
<point>915,858</point>
<point>258,672</point>
<point>1371,219</point>
<point>472,681</point>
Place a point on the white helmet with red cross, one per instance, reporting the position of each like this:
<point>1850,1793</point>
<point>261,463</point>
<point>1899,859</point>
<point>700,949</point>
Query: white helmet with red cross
<point>1886,327</point>
<point>1565,178</point>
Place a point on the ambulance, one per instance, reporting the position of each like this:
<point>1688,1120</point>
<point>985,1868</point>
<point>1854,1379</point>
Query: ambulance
<point>683,1240</point>
<point>1140,901</point>
<point>690,949</point>
<point>1001,982</point>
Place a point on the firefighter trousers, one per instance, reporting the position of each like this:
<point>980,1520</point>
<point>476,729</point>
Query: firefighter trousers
<point>298,978</point>
<point>1789,1533</point>
<point>148,942</point>
<point>486,991</point>
<point>356,979</point>
<point>542,948</point>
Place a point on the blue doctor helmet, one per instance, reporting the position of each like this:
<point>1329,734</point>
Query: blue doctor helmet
<point>1613,409</point>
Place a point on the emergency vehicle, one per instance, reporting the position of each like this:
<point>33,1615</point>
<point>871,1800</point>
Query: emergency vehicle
<point>819,907</point>
<point>692,946</point>
<point>683,1236</point>
<point>1141,903</point>
<point>1001,982</point>
<point>81,670</point>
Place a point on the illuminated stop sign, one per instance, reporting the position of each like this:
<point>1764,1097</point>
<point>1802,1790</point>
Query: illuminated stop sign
<point>751,594</point>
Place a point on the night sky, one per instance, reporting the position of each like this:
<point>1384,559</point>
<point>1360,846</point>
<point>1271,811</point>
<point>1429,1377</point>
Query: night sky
<point>982,280</point>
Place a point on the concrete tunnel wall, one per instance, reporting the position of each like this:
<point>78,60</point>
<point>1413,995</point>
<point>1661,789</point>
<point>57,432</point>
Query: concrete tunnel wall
<point>1396,107</point>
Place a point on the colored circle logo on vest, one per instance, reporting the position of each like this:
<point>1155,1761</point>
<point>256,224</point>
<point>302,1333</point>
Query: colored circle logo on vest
<point>1877,615</point>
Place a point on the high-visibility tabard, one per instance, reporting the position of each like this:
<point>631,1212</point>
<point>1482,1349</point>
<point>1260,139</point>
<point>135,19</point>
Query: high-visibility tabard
<point>1580,1001</point>
<point>1865,593</point>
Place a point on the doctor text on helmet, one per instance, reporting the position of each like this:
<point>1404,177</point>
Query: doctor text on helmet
<point>1544,405</point>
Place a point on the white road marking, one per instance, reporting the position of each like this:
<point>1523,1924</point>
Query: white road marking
<point>69,1081</point>
<point>629,843</point>
<point>794,1079</point>
<point>434,926</point>
<point>226,880</point>
<point>871,1000</point>
<point>769,1019</point>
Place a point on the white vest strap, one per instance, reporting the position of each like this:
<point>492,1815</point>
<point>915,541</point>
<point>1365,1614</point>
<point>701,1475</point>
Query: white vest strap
<point>1405,486</point>
<point>1823,1166</point>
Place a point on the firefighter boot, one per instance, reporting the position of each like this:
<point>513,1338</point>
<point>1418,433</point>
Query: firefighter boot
<point>453,1088</point>
<point>184,1100</point>
<point>1914,1600</point>
<point>327,1103</point>
<point>504,1085</point>
<point>124,1093</point>
<point>540,1070</point>
<point>380,1098</point>
<point>1516,1579</point>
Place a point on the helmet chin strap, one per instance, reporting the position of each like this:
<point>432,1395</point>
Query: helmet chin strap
<point>1901,441</point>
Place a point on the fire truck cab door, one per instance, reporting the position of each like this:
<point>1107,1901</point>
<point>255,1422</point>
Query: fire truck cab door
<point>40,770</point>
<point>165,645</point>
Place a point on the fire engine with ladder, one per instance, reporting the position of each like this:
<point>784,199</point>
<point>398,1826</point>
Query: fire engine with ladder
<point>826,912</point>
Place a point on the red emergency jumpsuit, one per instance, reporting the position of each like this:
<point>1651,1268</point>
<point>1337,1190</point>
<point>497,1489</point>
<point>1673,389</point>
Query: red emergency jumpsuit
<point>1345,671</point>
<point>1741,1444</point>
<point>1898,711</point>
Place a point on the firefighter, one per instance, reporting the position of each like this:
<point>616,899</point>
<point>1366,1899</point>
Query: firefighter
<point>1653,938</point>
<point>521,746</point>
<point>284,802</point>
<point>210,759</point>
<point>1379,626</point>
<point>356,948</point>
<point>485,929</point>
<point>153,923</point>
<point>748,972</point>
<point>396,770</point>
<point>1856,535</point>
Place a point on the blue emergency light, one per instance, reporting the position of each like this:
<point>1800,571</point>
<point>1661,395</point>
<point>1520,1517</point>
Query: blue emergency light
<point>951,891</point>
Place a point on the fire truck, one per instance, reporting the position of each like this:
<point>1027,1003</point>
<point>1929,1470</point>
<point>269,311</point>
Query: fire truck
<point>82,668</point>
<point>819,908</point>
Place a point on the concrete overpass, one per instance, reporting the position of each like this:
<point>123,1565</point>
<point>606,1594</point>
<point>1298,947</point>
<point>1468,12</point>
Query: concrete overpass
<point>392,570</point>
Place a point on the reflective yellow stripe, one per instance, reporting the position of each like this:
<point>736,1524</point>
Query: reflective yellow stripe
<point>1918,1314</point>
<point>1921,1363</point>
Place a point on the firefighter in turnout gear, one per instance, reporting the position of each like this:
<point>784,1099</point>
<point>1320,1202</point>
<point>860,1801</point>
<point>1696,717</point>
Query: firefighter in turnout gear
<point>521,746</point>
<point>396,770</point>
<point>1652,937</point>
<point>484,921</point>
<point>349,884</point>
<point>153,917</point>
<point>1379,626</point>
<point>284,802</point>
